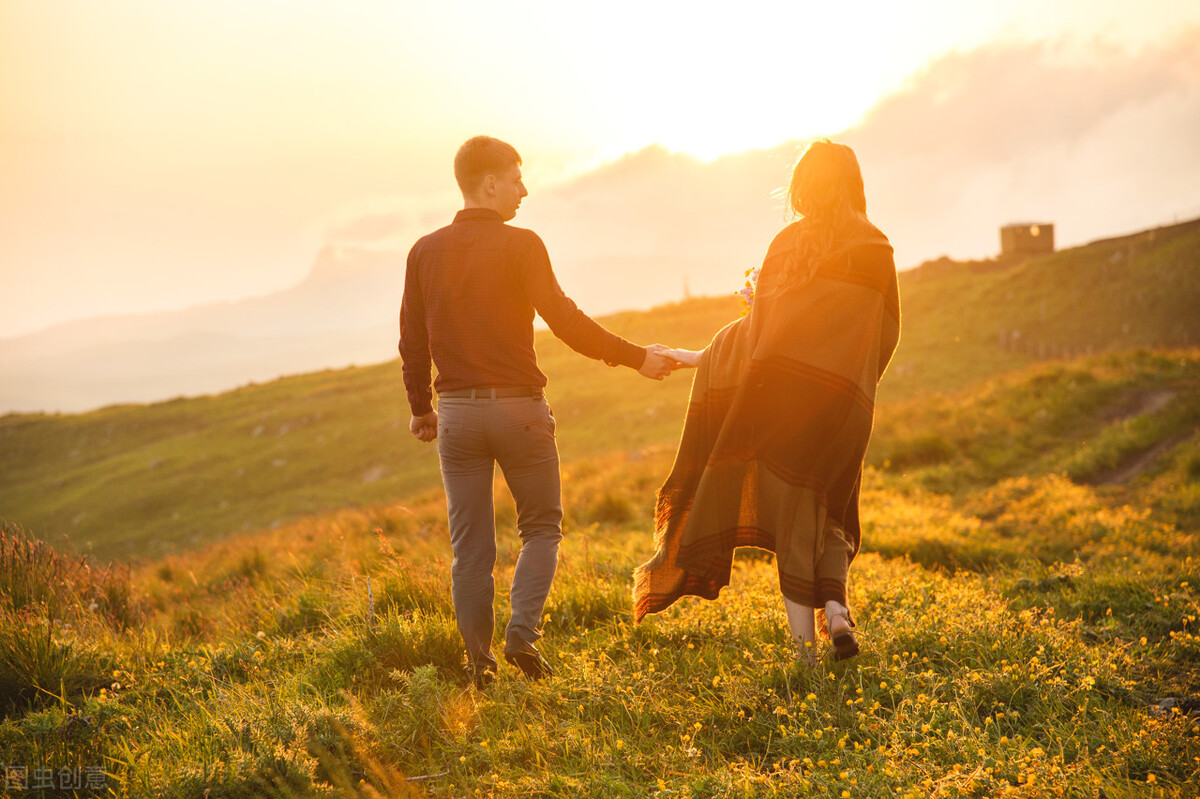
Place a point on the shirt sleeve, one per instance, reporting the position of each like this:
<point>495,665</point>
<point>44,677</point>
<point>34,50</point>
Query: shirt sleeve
<point>576,329</point>
<point>414,341</point>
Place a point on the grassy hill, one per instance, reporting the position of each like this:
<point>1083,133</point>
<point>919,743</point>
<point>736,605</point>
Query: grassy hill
<point>967,321</point>
<point>139,481</point>
<point>1023,633</point>
<point>1027,594</point>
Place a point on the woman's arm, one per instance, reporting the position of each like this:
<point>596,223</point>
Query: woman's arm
<point>682,358</point>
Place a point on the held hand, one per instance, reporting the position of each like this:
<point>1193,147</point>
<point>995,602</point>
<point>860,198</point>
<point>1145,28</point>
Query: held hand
<point>655,367</point>
<point>424,427</point>
<point>683,358</point>
<point>679,359</point>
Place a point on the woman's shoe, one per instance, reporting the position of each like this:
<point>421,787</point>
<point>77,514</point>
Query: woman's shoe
<point>840,629</point>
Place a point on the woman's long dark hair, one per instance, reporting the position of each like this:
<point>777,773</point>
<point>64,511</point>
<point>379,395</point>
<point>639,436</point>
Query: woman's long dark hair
<point>827,192</point>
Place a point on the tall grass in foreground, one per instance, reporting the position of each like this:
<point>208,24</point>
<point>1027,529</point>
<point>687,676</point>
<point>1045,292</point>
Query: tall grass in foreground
<point>1017,640</point>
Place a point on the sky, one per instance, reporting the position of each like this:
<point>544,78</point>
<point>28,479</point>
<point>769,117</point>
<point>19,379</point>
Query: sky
<point>159,154</point>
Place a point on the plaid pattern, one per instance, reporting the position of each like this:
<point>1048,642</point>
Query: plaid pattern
<point>470,293</point>
<point>777,427</point>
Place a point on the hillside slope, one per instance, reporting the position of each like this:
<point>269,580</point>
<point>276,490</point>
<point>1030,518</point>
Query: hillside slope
<point>136,481</point>
<point>1022,635</point>
<point>966,321</point>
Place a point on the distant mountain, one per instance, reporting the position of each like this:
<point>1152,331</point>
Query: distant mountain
<point>342,313</point>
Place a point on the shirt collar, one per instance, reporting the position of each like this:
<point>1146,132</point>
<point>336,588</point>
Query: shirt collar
<point>473,214</point>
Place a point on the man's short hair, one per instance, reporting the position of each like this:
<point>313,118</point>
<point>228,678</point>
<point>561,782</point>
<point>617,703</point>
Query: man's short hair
<point>481,156</point>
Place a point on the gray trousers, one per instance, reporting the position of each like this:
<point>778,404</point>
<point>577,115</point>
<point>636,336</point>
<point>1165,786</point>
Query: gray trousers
<point>517,433</point>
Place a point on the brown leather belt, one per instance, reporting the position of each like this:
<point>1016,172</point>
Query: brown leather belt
<point>493,393</point>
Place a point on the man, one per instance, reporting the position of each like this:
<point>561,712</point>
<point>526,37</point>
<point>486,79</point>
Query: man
<point>470,293</point>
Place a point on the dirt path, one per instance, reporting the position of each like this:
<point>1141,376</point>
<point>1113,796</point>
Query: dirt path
<point>1125,473</point>
<point>1154,401</point>
<point>1147,403</point>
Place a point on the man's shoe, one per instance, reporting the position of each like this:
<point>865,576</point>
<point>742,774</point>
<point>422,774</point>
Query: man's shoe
<point>482,677</point>
<point>529,661</point>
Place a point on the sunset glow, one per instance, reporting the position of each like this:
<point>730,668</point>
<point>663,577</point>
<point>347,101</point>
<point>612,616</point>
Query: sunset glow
<point>162,154</point>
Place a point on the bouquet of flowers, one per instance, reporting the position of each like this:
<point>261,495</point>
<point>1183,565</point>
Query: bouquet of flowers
<point>747,291</point>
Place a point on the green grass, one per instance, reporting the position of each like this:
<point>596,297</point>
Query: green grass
<point>1086,418</point>
<point>1021,654</point>
<point>1017,627</point>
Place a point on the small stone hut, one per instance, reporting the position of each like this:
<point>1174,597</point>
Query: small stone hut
<point>1027,238</point>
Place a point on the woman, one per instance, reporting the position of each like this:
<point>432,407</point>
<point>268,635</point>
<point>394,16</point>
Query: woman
<point>781,412</point>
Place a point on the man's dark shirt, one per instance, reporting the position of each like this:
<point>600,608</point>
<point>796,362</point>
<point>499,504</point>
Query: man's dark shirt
<point>470,292</point>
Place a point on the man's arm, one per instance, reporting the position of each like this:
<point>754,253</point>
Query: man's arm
<point>576,329</point>
<point>414,354</point>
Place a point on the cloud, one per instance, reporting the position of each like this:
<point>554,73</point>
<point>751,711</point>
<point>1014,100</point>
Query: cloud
<point>388,222</point>
<point>1096,140</point>
<point>1091,138</point>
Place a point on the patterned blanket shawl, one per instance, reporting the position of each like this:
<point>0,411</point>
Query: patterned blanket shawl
<point>778,421</point>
